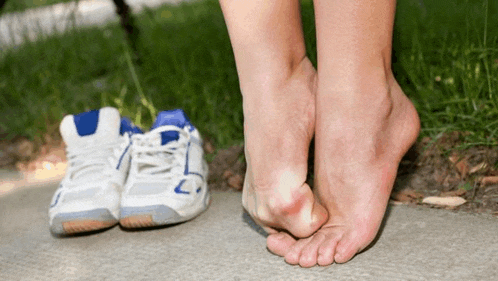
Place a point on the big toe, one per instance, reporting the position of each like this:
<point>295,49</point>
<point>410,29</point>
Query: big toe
<point>280,243</point>
<point>352,243</point>
<point>347,247</point>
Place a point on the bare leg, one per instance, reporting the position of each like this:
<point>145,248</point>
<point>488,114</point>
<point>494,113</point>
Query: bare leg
<point>364,125</point>
<point>277,82</point>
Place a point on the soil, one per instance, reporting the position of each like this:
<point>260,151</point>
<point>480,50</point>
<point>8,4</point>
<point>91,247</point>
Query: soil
<point>438,168</point>
<point>430,168</point>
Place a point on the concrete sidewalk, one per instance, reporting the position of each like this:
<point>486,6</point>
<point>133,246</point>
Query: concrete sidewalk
<point>224,244</point>
<point>15,27</point>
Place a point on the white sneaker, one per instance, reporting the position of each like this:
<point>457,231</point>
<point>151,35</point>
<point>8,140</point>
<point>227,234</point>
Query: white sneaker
<point>168,175</point>
<point>98,152</point>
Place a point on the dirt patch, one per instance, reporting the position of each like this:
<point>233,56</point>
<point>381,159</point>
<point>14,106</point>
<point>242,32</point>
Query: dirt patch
<point>227,170</point>
<point>437,168</point>
<point>431,168</point>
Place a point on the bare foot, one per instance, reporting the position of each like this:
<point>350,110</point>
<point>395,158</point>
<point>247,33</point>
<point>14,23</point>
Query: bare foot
<point>278,128</point>
<point>360,140</point>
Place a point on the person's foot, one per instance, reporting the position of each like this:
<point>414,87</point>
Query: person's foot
<point>360,140</point>
<point>278,127</point>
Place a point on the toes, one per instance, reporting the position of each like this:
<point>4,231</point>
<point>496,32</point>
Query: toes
<point>346,248</point>
<point>352,243</point>
<point>309,254</point>
<point>293,255</point>
<point>280,243</point>
<point>326,251</point>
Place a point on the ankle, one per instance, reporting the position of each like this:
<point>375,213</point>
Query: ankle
<point>368,90</point>
<point>294,77</point>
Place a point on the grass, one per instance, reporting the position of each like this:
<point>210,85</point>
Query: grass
<point>445,58</point>
<point>187,63</point>
<point>447,62</point>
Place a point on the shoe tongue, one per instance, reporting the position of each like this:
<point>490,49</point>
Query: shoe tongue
<point>93,126</point>
<point>177,118</point>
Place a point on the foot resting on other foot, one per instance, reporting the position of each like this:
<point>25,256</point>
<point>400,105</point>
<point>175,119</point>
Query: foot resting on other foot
<point>360,141</point>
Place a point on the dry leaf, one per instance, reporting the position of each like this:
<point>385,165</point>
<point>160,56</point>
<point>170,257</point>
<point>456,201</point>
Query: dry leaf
<point>208,147</point>
<point>454,158</point>
<point>446,181</point>
<point>462,165</point>
<point>236,182</point>
<point>452,201</point>
<point>463,168</point>
<point>489,180</point>
<point>440,176</point>
<point>227,174</point>
<point>458,192</point>
<point>395,203</point>
<point>406,195</point>
<point>477,168</point>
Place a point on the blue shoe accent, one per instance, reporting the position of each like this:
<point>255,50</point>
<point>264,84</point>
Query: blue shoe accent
<point>178,189</point>
<point>176,117</point>
<point>86,122</point>
<point>187,172</point>
<point>168,136</point>
<point>197,174</point>
<point>186,160</point>
<point>122,155</point>
<point>128,126</point>
<point>56,200</point>
<point>199,190</point>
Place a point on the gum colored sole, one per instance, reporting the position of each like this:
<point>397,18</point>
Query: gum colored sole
<point>138,221</point>
<point>78,226</point>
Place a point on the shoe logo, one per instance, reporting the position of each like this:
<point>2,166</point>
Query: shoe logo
<point>178,189</point>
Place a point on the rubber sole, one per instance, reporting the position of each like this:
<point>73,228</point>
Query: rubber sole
<point>156,215</point>
<point>138,217</point>
<point>138,221</point>
<point>79,222</point>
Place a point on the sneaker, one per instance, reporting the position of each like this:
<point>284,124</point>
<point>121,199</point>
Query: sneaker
<point>167,183</point>
<point>98,152</point>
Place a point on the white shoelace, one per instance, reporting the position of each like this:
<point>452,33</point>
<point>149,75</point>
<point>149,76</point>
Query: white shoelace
<point>91,163</point>
<point>156,161</point>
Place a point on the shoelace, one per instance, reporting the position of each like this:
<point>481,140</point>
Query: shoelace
<point>93,160</point>
<point>159,161</point>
